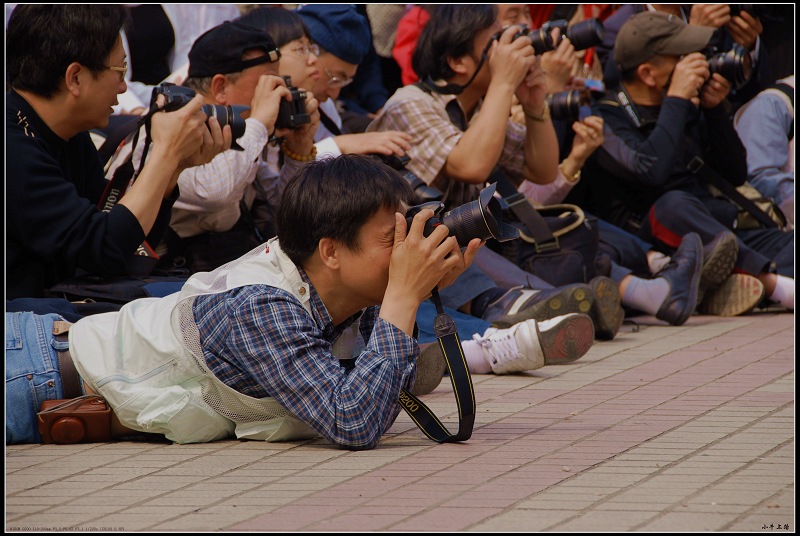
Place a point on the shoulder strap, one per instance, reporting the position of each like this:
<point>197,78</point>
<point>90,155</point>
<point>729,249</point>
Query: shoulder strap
<point>329,123</point>
<point>698,167</point>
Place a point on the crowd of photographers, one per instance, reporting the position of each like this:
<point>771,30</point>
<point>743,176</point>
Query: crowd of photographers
<point>252,255</point>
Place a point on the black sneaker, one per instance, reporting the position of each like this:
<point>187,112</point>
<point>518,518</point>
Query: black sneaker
<point>520,304</point>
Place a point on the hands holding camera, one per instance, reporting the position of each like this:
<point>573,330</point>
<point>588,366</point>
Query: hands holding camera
<point>182,135</point>
<point>419,263</point>
<point>688,77</point>
<point>743,27</point>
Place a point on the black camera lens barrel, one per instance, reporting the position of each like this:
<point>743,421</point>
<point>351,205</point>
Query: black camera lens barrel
<point>586,34</point>
<point>735,65</point>
<point>177,97</point>
<point>481,219</point>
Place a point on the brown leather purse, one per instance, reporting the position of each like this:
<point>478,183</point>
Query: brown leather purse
<point>86,419</point>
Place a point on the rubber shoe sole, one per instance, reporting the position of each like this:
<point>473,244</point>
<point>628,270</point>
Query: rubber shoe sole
<point>568,339</point>
<point>607,313</point>
<point>718,263</point>
<point>431,367</point>
<point>575,298</point>
<point>738,295</point>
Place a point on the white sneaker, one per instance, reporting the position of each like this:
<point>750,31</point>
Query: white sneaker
<point>530,345</point>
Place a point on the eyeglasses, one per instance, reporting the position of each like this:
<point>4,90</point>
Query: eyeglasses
<point>121,70</point>
<point>305,50</point>
<point>335,81</point>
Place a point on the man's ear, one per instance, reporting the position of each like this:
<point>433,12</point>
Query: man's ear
<point>73,78</point>
<point>646,72</point>
<point>328,250</point>
<point>219,84</point>
<point>459,65</point>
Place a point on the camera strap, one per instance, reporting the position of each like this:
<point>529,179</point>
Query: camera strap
<point>122,177</point>
<point>423,417</point>
<point>537,229</point>
<point>698,167</point>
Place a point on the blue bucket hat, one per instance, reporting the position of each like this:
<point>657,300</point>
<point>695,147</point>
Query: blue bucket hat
<point>338,29</point>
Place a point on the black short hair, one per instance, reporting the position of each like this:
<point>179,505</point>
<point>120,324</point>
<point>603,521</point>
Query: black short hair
<point>450,33</point>
<point>333,198</point>
<point>43,39</point>
<point>280,23</point>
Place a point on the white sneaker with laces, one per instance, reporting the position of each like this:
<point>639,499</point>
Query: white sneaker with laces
<point>530,345</point>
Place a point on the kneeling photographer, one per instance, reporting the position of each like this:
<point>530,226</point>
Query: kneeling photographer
<point>234,67</point>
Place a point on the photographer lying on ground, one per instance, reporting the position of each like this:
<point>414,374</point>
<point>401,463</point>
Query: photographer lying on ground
<point>66,67</point>
<point>253,348</point>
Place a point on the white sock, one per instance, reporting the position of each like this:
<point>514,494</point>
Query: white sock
<point>646,295</point>
<point>473,353</point>
<point>656,261</point>
<point>784,292</point>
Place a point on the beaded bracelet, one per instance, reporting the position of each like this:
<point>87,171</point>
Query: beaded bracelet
<point>300,158</point>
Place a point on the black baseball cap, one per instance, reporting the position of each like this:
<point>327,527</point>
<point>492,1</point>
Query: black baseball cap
<point>220,50</point>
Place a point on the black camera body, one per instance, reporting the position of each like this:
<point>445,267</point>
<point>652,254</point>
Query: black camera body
<point>424,193</point>
<point>178,96</point>
<point>292,114</point>
<point>481,218</point>
<point>735,64</point>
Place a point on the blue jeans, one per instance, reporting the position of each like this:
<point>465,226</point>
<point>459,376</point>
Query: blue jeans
<point>32,372</point>
<point>467,325</point>
<point>468,286</point>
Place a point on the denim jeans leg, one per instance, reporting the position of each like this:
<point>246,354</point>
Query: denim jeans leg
<point>467,325</point>
<point>32,374</point>
<point>468,286</point>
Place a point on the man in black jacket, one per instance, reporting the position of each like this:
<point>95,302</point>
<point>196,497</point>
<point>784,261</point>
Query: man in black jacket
<point>65,66</point>
<point>667,127</point>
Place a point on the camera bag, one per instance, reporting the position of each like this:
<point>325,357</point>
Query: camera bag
<point>86,419</point>
<point>557,243</point>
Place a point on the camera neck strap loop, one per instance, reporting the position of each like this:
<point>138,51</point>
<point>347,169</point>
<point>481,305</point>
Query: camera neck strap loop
<point>423,417</point>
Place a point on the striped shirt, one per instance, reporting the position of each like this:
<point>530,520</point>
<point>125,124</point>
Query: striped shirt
<point>433,136</point>
<point>262,342</point>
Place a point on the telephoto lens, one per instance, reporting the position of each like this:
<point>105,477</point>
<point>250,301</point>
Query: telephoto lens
<point>571,105</point>
<point>177,97</point>
<point>481,218</point>
<point>735,65</point>
<point>585,34</point>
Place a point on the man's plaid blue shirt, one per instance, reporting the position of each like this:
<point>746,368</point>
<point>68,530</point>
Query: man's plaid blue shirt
<point>262,342</point>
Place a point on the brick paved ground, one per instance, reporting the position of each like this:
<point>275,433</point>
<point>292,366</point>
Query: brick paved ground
<point>664,429</point>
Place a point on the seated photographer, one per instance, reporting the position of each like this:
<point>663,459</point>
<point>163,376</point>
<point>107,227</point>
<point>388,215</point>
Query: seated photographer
<point>232,66</point>
<point>458,162</point>
<point>252,350</point>
<point>668,135</point>
<point>322,46</point>
<point>55,228</point>
<point>740,27</point>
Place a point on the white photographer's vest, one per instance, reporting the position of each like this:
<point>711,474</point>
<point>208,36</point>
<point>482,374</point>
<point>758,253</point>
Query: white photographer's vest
<point>146,360</point>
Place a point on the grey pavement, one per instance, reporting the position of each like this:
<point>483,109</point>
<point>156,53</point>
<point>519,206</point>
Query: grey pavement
<point>665,428</point>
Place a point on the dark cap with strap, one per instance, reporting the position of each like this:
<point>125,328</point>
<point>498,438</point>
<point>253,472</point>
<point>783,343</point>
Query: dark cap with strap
<point>220,50</point>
